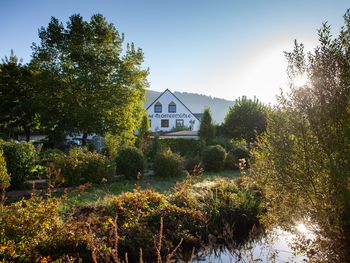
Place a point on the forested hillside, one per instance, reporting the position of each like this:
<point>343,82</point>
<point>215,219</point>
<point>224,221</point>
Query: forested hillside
<point>197,102</point>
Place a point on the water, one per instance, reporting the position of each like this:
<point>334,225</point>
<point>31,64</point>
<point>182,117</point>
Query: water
<point>274,247</point>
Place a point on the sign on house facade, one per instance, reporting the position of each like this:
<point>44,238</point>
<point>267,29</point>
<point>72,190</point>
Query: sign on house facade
<point>167,113</point>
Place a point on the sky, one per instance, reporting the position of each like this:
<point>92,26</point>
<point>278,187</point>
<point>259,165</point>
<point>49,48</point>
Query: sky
<point>220,48</point>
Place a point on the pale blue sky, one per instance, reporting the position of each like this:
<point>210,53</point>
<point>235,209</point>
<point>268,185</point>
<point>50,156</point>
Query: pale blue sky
<point>220,48</point>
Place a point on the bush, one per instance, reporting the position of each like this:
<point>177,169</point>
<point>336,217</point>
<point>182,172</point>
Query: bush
<point>231,162</point>
<point>130,161</point>
<point>168,164</point>
<point>49,155</point>
<point>183,147</point>
<point>239,151</point>
<point>191,162</point>
<point>20,159</point>
<point>213,158</point>
<point>82,165</point>
<point>4,177</point>
<point>25,226</point>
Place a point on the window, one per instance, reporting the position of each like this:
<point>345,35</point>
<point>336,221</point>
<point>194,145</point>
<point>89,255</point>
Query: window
<point>164,123</point>
<point>150,123</point>
<point>179,123</point>
<point>158,107</point>
<point>172,107</point>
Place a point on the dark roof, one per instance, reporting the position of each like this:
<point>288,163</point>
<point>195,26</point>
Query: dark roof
<point>198,115</point>
<point>177,99</point>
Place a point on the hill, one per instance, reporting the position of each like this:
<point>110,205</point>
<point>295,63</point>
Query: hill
<point>197,102</point>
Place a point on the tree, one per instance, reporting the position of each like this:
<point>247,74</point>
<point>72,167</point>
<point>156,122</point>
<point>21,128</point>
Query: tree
<point>18,97</point>
<point>206,129</point>
<point>99,89</point>
<point>143,132</point>
<point>245,119</point>
<point>303,162</point>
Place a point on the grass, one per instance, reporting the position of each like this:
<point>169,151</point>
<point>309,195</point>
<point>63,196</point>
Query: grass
<point>97,193</point>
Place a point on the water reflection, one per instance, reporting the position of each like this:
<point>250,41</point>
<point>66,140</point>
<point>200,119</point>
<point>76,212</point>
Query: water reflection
<point>274,246</point>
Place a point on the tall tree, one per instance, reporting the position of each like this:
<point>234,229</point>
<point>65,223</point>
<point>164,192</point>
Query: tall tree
<point>245,119</point>
<point>101,88</point>
<point>206,129</point>
<point>19,94</point>
<point>303,162</point>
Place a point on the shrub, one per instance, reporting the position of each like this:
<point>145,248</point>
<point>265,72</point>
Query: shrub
<point>168,164</point>
<point>82,165</point>
<point>20,159</point>
<point>130,161</point>
<point>49,155</point>
<point>25,226</point>
<point>213,158</point>
<point>184,147</point>
<point>4,176</point>
<point>191,162</point>
<point>240,151</point>
<point>231,162</point>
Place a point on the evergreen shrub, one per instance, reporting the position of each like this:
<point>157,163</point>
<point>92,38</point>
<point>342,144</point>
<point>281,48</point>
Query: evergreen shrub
<point>183,147</point>
<point>81,165</point>
<point>130,161</point>
<point>20,158</point>
<point>191,162</point>
<point>213,158</point>
<point>168,164</point>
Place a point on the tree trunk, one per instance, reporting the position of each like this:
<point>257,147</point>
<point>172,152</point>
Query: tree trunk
<point>84,140</point>
<point>27,133</point>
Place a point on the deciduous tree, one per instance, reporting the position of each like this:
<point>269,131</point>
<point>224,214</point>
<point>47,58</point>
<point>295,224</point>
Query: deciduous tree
<point>303,162</point>
<point>19,97</point>
<point>245,119</point>
<point>102,88</point>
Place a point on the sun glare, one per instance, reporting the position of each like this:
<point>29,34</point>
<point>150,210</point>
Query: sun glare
<point>302,228</point>
<point>300,80</point>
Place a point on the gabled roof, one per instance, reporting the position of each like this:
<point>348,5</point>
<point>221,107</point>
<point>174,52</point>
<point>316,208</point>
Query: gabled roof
<point>176,98</point>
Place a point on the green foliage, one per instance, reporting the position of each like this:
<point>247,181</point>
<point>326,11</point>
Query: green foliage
<point>80,165</point>
<point>49,155</point>
<point>239,150</point>
<point>168,164</point>
<point>4,176</point>
<point>206,129</point>
<point>213,158</point>
<point>245,119</point>
<point>91,84</point>
<point>191,162</point>
<point>303,161</point>
<point>20,159</point>
<point>130,161</point>
<point>235,209</point>
<point>143,132</point>
<point>41,230</point>
<point>25,226</point>
<point>183,147</point>
<point>19,97</point>
<point>111,145</point>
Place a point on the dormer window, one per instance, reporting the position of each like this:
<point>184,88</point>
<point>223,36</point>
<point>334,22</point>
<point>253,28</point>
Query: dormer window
<point>172,107</point>
<point>158,107</point>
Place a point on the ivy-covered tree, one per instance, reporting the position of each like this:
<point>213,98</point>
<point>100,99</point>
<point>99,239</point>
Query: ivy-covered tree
<point>302,164</point>
<point>206,129</point>
<point>99,87</point>
<point>245,119</point>
<point>19,98</point>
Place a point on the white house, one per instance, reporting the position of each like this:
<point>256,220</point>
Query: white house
<point>167,113</point>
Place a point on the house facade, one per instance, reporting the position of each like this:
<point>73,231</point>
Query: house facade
<point>168,113</point>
